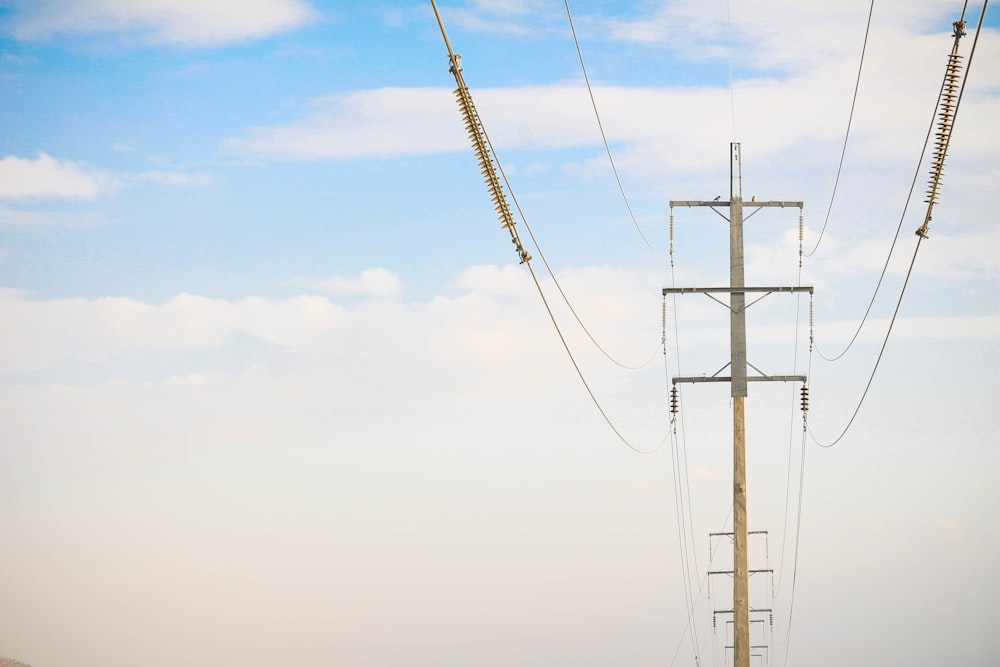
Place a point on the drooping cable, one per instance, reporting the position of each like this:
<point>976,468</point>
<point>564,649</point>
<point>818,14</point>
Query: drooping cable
<point>795,559</point>
<point>847,134</point>
<point>680,437</point>
<point>682,539</point>
<point>949,112</point>
<point>604,136</point>
<point>791,434</point>
<point>902,217</point>
<point>490,167</point>
<point>701,589</point>
<point>586,330</point>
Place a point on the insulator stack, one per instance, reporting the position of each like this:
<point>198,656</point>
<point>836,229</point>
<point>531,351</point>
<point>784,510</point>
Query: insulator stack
<point>477,136</point>
<point>663,340</point>
<point>671,232</point>
<point>812,321</point>
<point>673,400</point>
<point>805,398</point>
<point>946,120</point>
<point>802,235</point>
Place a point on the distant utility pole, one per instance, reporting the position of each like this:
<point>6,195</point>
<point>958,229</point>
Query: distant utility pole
<point>738,381</point>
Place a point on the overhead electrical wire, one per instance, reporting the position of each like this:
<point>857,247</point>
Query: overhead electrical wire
<point>604,136</point>
<point>795,560</point>
<point>559,331</point>
<point>847,134</point>
<point>948,104</point>
<point>490,165</point>
<point>701,588</point>
<point>791,439</point>
<point>682,539</point>
<point>682,503</point>
<point>948,111</point>
<point>555,281</point>
<point>679,441</point>
<point>895,238</point>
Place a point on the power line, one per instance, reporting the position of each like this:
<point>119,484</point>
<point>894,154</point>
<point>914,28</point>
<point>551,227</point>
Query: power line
<point>847,134</point>
<point>795,368</point>
<point>948,113</point>
<point>701,588</point>
<point>895,238</point>
<point>490,165</point>
<point>798,533</point>
<point>944,140</point>
<point>679,445</point>
<point>558,329</point>
<point>558,285</point>
<point>604,136</point>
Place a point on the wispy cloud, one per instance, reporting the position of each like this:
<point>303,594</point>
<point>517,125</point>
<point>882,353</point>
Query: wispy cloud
<point>178,22</point>
<point>392,122</point>
<point>50,178</point>
<point>377,123</point>
<point>371,282</point>
<point>490,319</point>
<point>46,176</point>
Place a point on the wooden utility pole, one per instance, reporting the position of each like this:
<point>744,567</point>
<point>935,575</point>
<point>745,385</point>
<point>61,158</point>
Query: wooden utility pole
<point>738,380</point>
<point>738,368</point>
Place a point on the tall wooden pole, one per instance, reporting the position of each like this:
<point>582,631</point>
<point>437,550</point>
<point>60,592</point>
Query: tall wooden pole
<point>738,380</point>
<point>738,367</point>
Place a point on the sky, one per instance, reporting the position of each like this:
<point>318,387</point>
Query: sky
<point>275,389</point>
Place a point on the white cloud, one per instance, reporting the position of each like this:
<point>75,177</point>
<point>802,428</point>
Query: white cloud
<point>371,282</point>
<point>787,36</point>
<point>377,123</point>
<point>810,105</point>
<point>809,109</point>
<point>44,334</point>
<point>492,321</point>
<point>185,22</point>
<point>511,17</point>
<point>46,176</point>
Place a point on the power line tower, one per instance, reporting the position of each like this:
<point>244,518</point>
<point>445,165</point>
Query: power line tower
<point>738,380</point>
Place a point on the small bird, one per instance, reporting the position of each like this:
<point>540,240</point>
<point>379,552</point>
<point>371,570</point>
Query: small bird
<point>717,197</point>
<point>754,198</point>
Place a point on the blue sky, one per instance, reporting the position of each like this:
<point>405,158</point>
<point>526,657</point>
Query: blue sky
<point>275,387</point>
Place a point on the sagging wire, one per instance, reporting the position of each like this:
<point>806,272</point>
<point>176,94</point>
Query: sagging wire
<point>682,490</point>
<point>490,167</point>
<point>847,134</point>
<point>949,111</point>
<point>702,581</point>
<point>902,217</point>
<point>949,106</point>
<point>804,398</point>
<point>679,443</point>
<point>604,136</point>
